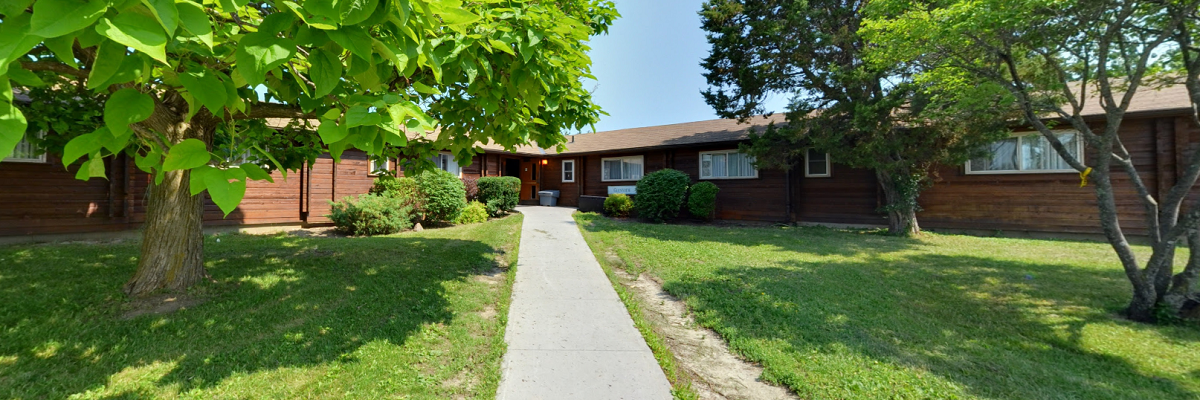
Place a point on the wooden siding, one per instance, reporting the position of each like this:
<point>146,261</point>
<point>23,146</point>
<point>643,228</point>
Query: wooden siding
<point>846,196</point>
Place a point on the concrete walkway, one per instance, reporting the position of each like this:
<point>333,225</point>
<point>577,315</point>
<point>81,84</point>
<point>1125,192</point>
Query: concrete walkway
<point>569,336</point>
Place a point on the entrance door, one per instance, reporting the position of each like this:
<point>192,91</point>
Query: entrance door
<point>529,175</point>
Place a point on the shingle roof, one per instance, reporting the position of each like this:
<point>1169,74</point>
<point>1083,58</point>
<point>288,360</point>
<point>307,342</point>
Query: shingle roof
<point>1169,98</point>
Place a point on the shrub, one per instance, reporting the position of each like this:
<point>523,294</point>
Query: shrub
<point>703,199</point>
<point>475,212</point>
<point>618,205</point>
<point>369,214</point>
<point>660,194</point>
<point>403,188</point>
<point>471,186</point>
<point>443,195</point>
<point>499,193</point>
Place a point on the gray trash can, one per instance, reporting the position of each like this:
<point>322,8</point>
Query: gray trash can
<point>548,197</point>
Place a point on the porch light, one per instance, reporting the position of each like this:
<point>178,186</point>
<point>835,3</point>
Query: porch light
<point>545,161</point>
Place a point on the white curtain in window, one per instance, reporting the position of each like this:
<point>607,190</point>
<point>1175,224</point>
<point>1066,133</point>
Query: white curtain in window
<point>1004,157</point>
<point>1038,154</point>
<point>720,166</point>
<point>706,165</point>
<point>612,169</point>
<point>633,168</point>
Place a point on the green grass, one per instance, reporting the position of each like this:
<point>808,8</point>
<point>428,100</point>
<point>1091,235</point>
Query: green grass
<point>401,316</point>
<point>857,315</point>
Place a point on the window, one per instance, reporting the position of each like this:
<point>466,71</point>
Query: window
<point>816,164</point>
<point>445,162</point>
<point>1028,153</point>
<point>621,168</point>
<point>26,152</point>
<point>568,167</point>
<point>379,167</point>
<point>726,164</point>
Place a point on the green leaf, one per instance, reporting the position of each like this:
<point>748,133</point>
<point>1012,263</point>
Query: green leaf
<point>92,168</point>
<point>423,88</point>
<point>81,145</point>
<point>333,113</point>
<point>324,8</point>
<point>133,67</point>
<point>227,195</point>
<point>15,40</point>
<point>255,172</point>
<point>52,18</point>
<point>115,142</point>
<point>197,176</point>
<point>188,154</point>
<point>109,56</point>
<point>274,162</point>
<point>24,77</point>
<point>12,124</point>
<point>195,20</point>
<point>138,31</point>
<point>166,13</point>
<point>259,53</point>
<point>61,46</point>
<point>330,132</point>
<point>326,71</point>
<point>127,106</point>
<point>457,16</point>
<point>147,163</point>
<point>360,116</point>
<point>207,89</point>
<point>356,11</point>
<point>354,39</point>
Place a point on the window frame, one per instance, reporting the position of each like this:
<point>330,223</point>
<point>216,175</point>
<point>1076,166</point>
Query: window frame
<point>564,171</point>
<point>1079,148</point>
<point>41,158</point>
<point>372,171</point>
<point>450,159</point>
<point>641,160</point>
<point>807,165</point>
<point>700,165</point>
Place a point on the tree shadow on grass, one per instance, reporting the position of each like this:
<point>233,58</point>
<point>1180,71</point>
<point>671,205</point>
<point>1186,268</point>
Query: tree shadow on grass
<point>277,302</point>
<point>932,324</point>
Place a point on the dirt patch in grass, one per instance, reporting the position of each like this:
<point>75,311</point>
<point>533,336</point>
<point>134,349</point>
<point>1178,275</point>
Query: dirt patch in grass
<point>160,304</point>
<point>715,372</point>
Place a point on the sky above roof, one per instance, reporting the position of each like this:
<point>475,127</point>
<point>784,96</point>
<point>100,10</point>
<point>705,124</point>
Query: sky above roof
<point>648,66</point>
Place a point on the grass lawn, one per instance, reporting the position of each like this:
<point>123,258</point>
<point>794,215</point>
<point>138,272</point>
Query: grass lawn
<point>857,315</point>
<point>413,315</point>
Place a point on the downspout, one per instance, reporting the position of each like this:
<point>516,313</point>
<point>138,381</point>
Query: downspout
<point>333,183</point>
<point>300,198</point>
<point>787,197</point>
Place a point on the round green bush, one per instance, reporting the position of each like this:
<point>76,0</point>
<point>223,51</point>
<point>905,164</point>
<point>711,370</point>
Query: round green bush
<point>703,200</point>
<point>475,212</point>
<point>369,214</point>
<point>618,205</point>
<point>499,193</point>
<point>402,188</point>
<point>443,195</point>
<point>660,194</point>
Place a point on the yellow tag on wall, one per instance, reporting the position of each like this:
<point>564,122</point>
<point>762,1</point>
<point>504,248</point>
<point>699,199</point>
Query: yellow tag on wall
<point>1083,177</point>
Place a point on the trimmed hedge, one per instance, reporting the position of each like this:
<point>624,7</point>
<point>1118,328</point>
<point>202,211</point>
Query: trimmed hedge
<point>443,195</point>
<point>618,205</point>
<point>499,193</point>
<point>472,188</point>
<point>703,200</point>
<point>475,212</point>
<point>369,214</point>
<point>660,194</point>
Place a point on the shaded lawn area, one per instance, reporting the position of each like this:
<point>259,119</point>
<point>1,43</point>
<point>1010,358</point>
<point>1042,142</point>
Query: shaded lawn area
<point>857,315</point>
<point>412,315</point>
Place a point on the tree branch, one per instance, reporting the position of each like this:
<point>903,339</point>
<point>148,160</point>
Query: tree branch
<point>54,66</point>
<point>259,110</point>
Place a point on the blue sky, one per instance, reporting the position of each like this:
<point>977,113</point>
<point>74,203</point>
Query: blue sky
<point>648,66</point>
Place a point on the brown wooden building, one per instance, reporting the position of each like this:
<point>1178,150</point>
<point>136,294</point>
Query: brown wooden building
<point>1020,188</point>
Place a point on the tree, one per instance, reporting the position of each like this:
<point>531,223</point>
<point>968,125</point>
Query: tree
<point>1056,58</point>
<point>864,115</point>
<point>182,82</point>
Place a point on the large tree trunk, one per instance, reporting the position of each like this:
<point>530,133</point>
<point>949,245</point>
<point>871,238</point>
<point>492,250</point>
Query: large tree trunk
<point>901,207</point>
<point>172,255</point>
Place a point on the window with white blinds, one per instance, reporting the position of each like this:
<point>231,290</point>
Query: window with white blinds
<point>1028,153</point>
<point>26,152</point>
<point>621,168</point>
<point>726,164</point>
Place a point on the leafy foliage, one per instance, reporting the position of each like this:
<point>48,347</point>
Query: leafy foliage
<point>865,115</point>
<point>499,193</point>
<point>702,199</point>
<point>442,194</point>
<point>356,74</point>
<point>369,214</point>
<point>402,188</point>
<point>618,205</point>
<point>660,194</point>
<point>474,213</point>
